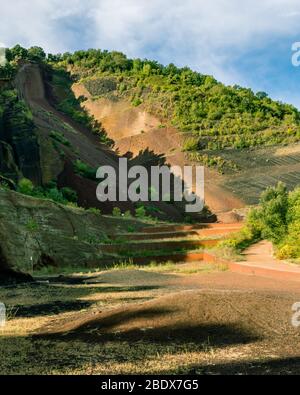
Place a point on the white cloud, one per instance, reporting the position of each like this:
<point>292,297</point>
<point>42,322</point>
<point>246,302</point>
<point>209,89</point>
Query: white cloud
<point>207,35</point>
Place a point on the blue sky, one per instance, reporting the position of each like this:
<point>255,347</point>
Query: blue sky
<point>239,42</point>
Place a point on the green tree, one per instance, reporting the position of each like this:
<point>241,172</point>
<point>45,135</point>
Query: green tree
<point>17,52</point>
<point>274,209</point>
<point>36,54</point>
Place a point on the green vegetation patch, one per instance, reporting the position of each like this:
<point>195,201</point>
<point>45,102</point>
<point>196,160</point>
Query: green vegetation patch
<point>65,196</point>
<point>85,170</point>
<point>60,138</point>
<point>277,219</point>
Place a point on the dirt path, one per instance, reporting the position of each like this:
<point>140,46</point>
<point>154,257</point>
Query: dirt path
<point>262,255</point>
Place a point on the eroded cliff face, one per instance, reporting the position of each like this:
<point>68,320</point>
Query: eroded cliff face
<point>9,170</point>
<point>36,233</point>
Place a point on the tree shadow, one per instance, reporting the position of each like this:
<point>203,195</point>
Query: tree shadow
<point>71,300</point>
<point>280,366</point>
<point>129,326</point>
<point>53,308</point>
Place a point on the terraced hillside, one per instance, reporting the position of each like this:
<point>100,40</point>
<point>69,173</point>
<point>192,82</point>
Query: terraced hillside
<point>261,168</point>
<point>165,243</point>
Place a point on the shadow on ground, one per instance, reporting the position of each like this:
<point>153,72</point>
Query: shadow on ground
<point>132,326</point>
<point>282,366</point>
<point>62,296</point>
<point>53,308</point>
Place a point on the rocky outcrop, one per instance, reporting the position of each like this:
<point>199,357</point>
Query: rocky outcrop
<point>36,233</point>
<point>8,165</point>
<point>19,148</point>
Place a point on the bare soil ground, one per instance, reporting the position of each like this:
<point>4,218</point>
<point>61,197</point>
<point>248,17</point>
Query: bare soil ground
<point>191,318</point>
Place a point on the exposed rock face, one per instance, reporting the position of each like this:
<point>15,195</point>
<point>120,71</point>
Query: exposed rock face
<point>36,232</point>
<point>19,148</point>
<point>7,162</point>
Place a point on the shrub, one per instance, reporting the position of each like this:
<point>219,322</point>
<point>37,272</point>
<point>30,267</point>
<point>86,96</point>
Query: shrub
<point>288,251</point>
<point>94,210</point>
<point>69,194</point>
<point>239,241</point>
<point>60,138</point>
<point>64,196</point>
<point>25,186</point>
<point>140,212</point>
<point>55,195</point>
<point>274,208</point>
<point>191,144</point>
<point>213,161</point>
<point>85,170</point>
<point>131,229</point>
<point>276,219</point>
<point>4,186</point>
<point>117,212</point>
<point>136,102</point>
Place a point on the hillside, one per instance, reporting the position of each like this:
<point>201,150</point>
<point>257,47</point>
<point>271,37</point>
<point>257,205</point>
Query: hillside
<point>59,145</point>
<point>189,117</point>
<point>156,114</point>
<point>217,116</point>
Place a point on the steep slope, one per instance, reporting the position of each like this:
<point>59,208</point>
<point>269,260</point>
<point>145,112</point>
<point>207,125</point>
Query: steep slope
<point>61,142</point>
<point>117,116</point>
